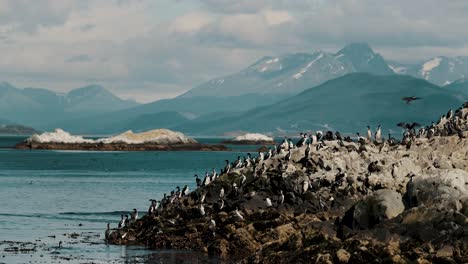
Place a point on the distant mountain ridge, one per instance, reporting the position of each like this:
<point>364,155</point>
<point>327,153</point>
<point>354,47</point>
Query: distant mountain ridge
<point>439,70</point>
<point>293,73</point>
<point>36,106</point>
<point>347,104</point>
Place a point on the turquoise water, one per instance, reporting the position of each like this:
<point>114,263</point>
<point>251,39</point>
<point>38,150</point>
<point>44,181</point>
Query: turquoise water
<point>56,193</point>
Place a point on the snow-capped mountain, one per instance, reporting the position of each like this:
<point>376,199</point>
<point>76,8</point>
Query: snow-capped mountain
<point>293,73</point>
<point>438,70</point>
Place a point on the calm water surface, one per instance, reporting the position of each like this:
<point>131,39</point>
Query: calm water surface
<point>69,196</point>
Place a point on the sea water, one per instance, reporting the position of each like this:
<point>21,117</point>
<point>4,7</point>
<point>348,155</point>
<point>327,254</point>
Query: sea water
<point>69,196</point>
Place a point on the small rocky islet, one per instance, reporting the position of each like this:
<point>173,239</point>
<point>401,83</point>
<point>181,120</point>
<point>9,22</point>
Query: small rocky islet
<point>153,140</point>
<point>250,139</point>
<point>326,201</point>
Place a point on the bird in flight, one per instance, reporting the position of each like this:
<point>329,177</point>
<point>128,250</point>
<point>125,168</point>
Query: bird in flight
<point>410,99</point>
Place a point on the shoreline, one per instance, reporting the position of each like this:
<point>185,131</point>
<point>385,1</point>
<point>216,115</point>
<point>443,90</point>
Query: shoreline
<point>120,147</point>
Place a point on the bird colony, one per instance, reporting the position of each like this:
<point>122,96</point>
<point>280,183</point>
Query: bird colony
<point>325,199</point>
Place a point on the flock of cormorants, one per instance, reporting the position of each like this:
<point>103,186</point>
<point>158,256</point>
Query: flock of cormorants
<point>449,124</point>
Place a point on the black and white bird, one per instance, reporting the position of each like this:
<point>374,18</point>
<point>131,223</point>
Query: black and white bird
<point>281,198</point>
<point>227,168</point>
<point>269,154</point>
<point>238,163</point>
<point>122,222</point>
<point>378,133</point>
<point>248,161</point>
<point>260,158</point>
<point>198,181</point>
<point>243,180</point>
<point>302,141</point>
<point>319,135</point>
<point>268,202</point>
<point>449,114</point>
<point>237,215</point>
<point>212,225</point>
<point>338,136</point>
<point>369,133</point>
<point>202,197</point>
<point>291,144</point>
<point>206,180</point>
<point>307,151</point>
<point>134,216</point>
<point>185,190</point>
<point>305,186</point>
<point>201,210</point>
<point>313,139</point>
<point>221,193</point>
<point>214,175</point>
<point>127,221</point>
<point>107,233</point>
<point>220,204</point>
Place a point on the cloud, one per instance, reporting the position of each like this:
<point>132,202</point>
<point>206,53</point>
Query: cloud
<point>161,48</point>
<point>79,58</point>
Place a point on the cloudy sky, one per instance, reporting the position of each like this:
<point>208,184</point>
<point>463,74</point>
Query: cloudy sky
<point>151,49</point>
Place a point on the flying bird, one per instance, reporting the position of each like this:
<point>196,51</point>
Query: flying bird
<point>410,99</point>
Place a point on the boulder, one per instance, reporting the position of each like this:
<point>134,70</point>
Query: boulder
<point>382,204</point>
<point>441,188</point>
<point>343,256</point>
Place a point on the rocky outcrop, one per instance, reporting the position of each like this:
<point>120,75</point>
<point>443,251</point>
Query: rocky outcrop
<point>338,202</point>
<point>153,140</point>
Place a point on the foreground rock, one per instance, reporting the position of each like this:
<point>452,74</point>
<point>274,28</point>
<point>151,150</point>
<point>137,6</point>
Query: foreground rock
<point>337,203</point>
<point>154,140</point>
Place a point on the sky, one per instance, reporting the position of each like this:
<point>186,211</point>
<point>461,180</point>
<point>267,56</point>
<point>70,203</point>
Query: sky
<point>152,49</point>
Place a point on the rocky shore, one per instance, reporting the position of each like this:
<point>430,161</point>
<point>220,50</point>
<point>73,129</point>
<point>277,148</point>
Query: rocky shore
<point>122,146</point>
<point>332,201</point>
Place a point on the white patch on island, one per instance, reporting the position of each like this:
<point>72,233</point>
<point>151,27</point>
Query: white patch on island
<point>253,137</point>
<point>58,136</point>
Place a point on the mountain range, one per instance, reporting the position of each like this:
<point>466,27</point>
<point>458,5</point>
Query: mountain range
<point>347,104</point>
<point>293,73</point>
<point>38,106</point>
<point>282,93</point>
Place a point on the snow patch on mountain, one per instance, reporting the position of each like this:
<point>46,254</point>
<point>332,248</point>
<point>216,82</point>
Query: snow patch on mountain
<point>428,66</point>
<point>304,70</point>
<point>397,69</point>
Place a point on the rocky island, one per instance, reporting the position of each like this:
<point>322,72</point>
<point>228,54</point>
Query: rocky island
<point>330,201</point>
<point>154,140</point>
<point>251,139</point>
